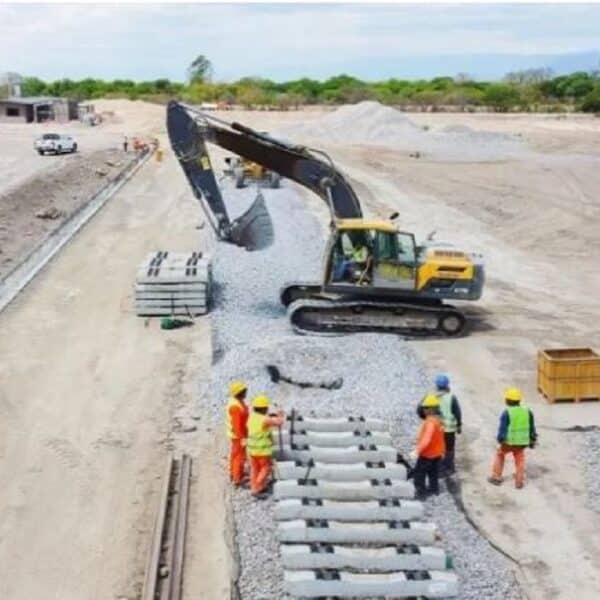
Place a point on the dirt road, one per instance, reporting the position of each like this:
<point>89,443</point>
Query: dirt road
<point>87,402</point>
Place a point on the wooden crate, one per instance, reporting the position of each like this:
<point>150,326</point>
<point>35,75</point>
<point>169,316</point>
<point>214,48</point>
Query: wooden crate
<point>569,374</point>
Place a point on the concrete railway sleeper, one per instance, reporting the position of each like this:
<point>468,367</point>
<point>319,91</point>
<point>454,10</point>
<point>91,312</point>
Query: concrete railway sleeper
<point>408,557</point>
<point>341,472</point>
<point>341,532</point>
<point>343,490</point>
<point>402,584</point>
<point>349,455</point>
<point>164,570</point>
<point>372,510</point>
<point>334,424</point>
<point>340,439</point>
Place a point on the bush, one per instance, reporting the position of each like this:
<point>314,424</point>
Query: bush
<point>591,102</point>
<point>501,97</point>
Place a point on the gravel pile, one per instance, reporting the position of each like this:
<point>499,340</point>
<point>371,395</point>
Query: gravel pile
<point>372,123</point>
<point>590,455</point>
<point>382,377</point>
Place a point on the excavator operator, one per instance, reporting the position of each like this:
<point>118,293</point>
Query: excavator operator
<point>355,264</point>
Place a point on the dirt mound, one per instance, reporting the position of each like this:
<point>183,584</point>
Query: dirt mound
<point>371,123</point>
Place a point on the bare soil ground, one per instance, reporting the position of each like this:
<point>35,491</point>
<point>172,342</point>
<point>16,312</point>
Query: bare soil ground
<point>88,406</point>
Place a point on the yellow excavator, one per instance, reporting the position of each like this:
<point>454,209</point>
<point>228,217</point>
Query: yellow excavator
<point>242,171</point>
<point>376,277</point>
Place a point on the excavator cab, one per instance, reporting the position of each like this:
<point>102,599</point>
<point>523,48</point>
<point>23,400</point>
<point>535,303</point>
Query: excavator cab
<point>370,254</point>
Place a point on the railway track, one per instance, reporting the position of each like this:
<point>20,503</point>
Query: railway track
<point>163,579</point>
<point>347,521</point>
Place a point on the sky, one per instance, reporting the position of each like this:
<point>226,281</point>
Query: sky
<point>287,41</point>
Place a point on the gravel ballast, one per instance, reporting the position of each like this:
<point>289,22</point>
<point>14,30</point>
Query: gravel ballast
<point>381,377</point>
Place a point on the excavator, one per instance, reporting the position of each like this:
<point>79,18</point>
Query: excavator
<point>376,277</point>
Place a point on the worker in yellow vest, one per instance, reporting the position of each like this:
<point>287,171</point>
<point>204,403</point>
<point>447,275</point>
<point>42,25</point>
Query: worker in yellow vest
<point>236,426</point>
<point>260,444</point>
<point>516,432</point>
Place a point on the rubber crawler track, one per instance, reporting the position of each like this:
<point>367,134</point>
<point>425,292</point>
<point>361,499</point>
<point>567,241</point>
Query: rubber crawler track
<point>333,316</point>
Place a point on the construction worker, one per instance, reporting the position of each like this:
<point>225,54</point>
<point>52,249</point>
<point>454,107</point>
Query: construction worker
<point>125,143</point>
<point>515,433</point>
<point>236,423</point>
<point>430,449</point>
<point>260,444</point>
<point>451,419</point>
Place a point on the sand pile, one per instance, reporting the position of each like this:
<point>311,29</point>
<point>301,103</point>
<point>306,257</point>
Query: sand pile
<point>371,123</point>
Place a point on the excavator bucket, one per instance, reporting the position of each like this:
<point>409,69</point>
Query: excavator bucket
<point>254,229</point>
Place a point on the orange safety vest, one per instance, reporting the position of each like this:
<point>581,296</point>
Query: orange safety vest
<point>437,445</point>
<point>233,403</point>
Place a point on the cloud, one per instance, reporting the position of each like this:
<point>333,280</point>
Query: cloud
<point>151,41</point>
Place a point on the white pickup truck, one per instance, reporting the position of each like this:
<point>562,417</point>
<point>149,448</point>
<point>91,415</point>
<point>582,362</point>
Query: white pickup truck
<point>55,143</point>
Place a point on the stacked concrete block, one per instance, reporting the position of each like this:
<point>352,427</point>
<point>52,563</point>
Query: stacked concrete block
<point>348,525</point>
<point>173,284</point>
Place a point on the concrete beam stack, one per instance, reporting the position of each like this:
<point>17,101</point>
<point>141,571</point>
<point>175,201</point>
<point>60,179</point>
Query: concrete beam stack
<point>173,284</point>
<point>347,521</point>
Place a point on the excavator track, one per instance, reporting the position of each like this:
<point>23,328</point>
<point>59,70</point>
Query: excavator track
<point>330,316</point>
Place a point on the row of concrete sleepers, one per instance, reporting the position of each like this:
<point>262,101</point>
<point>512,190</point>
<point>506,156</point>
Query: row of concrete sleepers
<point>348,524</point>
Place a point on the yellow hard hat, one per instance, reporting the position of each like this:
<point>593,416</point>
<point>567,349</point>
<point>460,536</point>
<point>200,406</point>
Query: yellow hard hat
<point>237,387</point>
<point>260,402</point>
<point>431,401</point>
<point>513,394</point>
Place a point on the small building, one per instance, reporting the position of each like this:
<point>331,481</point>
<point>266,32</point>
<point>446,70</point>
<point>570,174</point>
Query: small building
<point>37,109</point>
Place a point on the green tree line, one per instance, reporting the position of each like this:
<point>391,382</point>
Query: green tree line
<point>533,90</point>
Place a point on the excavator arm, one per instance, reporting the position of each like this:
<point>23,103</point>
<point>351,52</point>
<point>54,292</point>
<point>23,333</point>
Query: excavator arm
<point>189,130</point>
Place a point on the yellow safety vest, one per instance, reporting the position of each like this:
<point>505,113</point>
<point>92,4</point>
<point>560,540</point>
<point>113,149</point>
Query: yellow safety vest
<point>260,442</point>
<point>448,418</point>
<point>228,424</point>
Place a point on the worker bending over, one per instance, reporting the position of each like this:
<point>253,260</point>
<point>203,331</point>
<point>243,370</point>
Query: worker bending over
<point>236,424</point>
<point>451,420</point>
<point>515,433</point>
<point>430,449</point>
<point>260,444</point>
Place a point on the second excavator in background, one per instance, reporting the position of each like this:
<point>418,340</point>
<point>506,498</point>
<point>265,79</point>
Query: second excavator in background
<point>376,277</point>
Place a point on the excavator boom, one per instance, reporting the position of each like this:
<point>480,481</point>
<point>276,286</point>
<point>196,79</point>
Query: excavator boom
<point>189,130</point>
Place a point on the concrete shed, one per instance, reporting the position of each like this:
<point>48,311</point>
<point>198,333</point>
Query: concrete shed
<point>36,109</point>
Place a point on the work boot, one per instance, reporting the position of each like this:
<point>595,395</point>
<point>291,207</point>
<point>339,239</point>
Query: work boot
<point>260,496</point>
<point>421,495</point>
<point>494,481</point>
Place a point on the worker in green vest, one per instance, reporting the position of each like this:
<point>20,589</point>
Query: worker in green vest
<point>260,444</point>
<point>515,433</point>
<point>451,416</point>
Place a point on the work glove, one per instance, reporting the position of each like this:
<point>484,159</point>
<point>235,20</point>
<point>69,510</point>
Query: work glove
<point>459,429</point>
<point>413,455</point>
<point>532,444</point>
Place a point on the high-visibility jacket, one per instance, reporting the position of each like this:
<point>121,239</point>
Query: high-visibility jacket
<point>260,439</point>
<point>519,426</point>
<point>448,418</point>
<point>236,416</point>
<point>360,254</point>
<point>431,442</point>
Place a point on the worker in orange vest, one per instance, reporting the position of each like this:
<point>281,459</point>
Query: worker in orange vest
<point>260,444</point>
<point>236,425</point>
<point>430,449</point>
